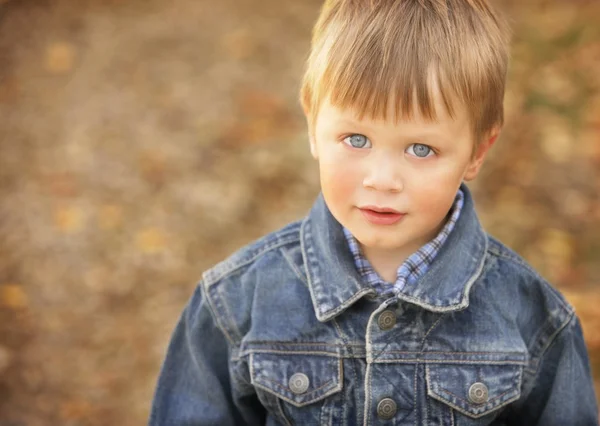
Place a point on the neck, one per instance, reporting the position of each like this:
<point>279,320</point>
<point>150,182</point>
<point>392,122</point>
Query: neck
<point>387,261</point>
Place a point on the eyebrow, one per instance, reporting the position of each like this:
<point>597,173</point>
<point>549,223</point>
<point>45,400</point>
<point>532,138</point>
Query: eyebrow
<point>425,134</point>
<point>352,123</point>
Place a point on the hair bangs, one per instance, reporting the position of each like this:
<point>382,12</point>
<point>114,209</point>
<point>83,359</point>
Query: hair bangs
<point>394,59</point>
<point>378,88</point>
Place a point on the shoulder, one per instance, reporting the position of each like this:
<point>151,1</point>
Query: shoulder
<point>513,265</point>
<point>541,307</point>
<point>253,252</point>
<point>230,285</point>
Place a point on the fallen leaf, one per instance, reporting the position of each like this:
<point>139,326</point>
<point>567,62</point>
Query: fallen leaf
<point>151,240</point>
<point>110,216</point>
<point>69,219</point>
<point>60,57</point>
<point>13,296</point>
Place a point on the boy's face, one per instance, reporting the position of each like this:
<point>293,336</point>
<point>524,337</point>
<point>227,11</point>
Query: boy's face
<point>414,168</point>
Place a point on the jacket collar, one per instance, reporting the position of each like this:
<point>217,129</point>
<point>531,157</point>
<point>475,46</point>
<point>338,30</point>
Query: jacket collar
<point>335,284</point>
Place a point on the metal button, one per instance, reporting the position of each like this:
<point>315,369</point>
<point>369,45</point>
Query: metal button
<point>299,383</point>
<point>478,393</point>
<point>386,320</point>
<point>386,409</point>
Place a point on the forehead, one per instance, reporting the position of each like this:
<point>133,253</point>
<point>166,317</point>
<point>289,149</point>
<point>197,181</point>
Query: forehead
<point>429,102</point>
<point>335,115</point>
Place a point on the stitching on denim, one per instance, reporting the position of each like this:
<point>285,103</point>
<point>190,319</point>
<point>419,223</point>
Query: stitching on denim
<point>517,261</point>
<point>237,376</point>
<point>366,415</point>
<point>305,234</point>
<point>463,302</point>
<point>329,354</point>
<point>507,255</point>
<point>426,402</point>
<point>367,390</point>
<point>490,402</point>
<point>335,311</point>
<point>314,281</point>
<point>325,414</point>
<point>452,417</point>
<point>427,379</point>
<point>294,403</point>
<point>432,393</point>
<point>341,385</point>
<point>282,342</point>
<point>270,391</point>
<point>549,340</point>
<point>446,361</point>
<point>537,343</point>
<point>187,336</point>
<point>452,353</point>
<point>430,330</point>
<point>425,303</point>
<point>344,338</point>
<point>389,337</point>
<point>251,366</point>
<point>287,389</point>
<point>233,327</point>
<point>213,306</point>
<point>293,266</point>
<point>266,351</point>
<point>232,265</point>
<point>281,412</point>
<point>471,415</point>
<point>415,394</point>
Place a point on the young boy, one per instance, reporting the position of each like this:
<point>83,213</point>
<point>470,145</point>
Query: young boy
<point>388,304</point>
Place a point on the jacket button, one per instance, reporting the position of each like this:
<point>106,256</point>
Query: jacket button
<point>299,383</point>
<point>478,393</point>
<point>386,320</point>
<point>386,409</point>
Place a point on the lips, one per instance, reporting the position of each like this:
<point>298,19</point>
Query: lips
<point>381,215</point>
<point>380,209</point>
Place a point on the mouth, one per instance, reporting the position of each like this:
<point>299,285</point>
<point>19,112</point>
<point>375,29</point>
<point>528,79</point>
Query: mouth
<point>380,209</point>
<point>381,215</point>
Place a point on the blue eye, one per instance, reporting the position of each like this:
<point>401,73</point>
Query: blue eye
<point>357,141</point>
<point>420,150</point>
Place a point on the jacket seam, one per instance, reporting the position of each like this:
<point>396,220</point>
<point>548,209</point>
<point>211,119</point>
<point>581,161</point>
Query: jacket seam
<point>293,266</point>
<point>231,267</point>
<point>538,359</point>
<point>542,280</point>
<point>217,318</point>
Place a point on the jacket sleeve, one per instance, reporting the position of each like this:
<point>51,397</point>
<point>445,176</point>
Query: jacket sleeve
<point>563,389</point>
<point>195,386</point>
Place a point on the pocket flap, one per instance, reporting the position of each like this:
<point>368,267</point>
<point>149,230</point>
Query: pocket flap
<point>474,389</point>
<point>298,379</point>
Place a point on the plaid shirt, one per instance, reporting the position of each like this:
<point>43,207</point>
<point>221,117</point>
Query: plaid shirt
<point>414,266</point>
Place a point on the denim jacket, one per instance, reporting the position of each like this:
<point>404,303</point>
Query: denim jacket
<point>284,332</point>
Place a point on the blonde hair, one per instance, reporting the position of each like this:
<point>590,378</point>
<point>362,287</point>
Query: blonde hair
<point>370,54</point>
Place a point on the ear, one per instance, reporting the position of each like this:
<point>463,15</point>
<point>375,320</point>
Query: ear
<point>477,160</point>
<point>313,145</point>
<point>311,138</point>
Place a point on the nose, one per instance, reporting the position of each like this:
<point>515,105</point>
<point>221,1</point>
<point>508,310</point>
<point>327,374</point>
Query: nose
<point>383,174</point>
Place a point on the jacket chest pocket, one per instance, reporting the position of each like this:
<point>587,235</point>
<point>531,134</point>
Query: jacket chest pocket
<point>471,394</point>
<point>298,388</point>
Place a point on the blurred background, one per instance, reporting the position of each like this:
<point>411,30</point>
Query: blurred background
<point>142,141</point>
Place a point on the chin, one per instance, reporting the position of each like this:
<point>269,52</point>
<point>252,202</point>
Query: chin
<point>367,239</point>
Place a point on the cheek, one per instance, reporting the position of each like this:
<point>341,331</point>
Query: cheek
<point>435,194</point>
<point>339,178</point>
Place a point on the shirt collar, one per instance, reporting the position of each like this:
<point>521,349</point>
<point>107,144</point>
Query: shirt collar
<point>335,284</point>
<point>415,265</point>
